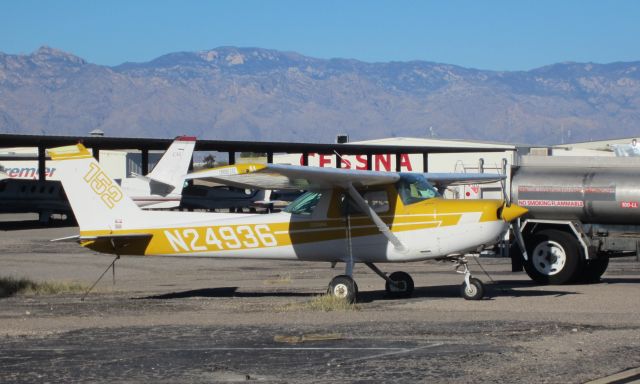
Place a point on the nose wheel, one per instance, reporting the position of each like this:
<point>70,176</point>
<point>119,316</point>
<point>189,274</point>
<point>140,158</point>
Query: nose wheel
<point>471,288</point>
<point>472,291</point>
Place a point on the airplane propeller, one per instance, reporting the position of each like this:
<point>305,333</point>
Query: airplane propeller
<point>508,210</point>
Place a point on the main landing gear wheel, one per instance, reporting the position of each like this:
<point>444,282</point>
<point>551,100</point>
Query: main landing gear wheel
<point>473,291</point>
<point>397,284</point>
<point>343,287</point>
<point>402,285</point>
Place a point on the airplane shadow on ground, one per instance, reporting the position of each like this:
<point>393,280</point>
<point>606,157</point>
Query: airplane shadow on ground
<point>519,288</point>
<point>620,280</point>
<point>223,292</point>
<point>501,289</point>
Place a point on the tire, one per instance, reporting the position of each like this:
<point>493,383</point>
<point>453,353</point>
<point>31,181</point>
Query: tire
<point>594,269</point>
<point>516,258</point>
<point>474,292</point>
<point>404,287</point>
<point>553,257</point>
<point>343,287</point>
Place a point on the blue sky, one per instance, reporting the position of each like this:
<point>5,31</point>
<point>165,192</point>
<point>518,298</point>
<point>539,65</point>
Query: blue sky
<point>498,35</point>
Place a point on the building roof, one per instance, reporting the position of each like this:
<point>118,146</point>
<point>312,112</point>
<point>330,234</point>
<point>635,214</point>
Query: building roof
<point>98,142</point>
<point>430,142</point>
<point>600,145</point>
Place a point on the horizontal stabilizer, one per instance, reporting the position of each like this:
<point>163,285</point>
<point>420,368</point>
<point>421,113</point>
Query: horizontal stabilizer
<point>157,187</point>
<point>67,239</point>
<point>119,237</point>
<point>126,244</point>
<point>128,236</point>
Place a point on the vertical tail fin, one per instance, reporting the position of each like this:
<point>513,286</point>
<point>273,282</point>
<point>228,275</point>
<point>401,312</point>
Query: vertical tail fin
<point>174,164</point>
<point>96,200</point>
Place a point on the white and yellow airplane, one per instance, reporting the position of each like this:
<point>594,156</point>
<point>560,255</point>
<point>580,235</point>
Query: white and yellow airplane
<point>346,216</point>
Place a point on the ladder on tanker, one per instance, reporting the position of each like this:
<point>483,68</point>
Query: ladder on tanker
<point>476,191</point>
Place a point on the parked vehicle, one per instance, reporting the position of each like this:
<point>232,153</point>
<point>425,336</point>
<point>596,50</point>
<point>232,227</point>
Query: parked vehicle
<point>582,212</point>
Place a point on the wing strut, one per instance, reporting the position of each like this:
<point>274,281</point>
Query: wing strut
<point>362,204</point>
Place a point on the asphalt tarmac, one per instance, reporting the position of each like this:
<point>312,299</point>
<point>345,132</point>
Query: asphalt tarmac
<point>202,320</point>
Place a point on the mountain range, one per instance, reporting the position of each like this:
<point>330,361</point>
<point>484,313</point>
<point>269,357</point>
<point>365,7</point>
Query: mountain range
<point>231,93</point>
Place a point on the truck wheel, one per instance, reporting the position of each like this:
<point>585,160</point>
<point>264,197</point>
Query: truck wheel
<point>553,257</point>
<point>594,269</point>
<point>516,257</point>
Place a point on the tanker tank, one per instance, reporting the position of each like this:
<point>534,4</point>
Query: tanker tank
<point>605,195</point>
<point>582,212</point>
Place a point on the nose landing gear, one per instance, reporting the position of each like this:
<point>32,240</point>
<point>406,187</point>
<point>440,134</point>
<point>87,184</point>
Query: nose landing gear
<point>472,288</point>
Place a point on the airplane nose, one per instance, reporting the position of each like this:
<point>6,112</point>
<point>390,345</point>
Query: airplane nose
<point>512,212</point>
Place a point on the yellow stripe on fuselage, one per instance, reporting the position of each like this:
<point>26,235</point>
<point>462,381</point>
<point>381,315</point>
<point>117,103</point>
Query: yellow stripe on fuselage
<point>220,238</point>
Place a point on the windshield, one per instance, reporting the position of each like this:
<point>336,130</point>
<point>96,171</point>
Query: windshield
<point>304,204</point>
<point>414,188</point>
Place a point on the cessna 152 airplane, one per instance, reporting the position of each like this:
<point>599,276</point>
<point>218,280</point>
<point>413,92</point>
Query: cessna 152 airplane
<point>346,216</point>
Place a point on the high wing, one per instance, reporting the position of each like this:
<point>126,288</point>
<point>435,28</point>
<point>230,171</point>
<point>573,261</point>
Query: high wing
<point>443,180</point>
<point>277,176</point>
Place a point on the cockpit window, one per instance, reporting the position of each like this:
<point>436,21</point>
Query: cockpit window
<point>305,204</point>
<point>415,188</point>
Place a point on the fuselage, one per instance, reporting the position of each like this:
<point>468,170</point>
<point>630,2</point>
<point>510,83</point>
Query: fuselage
<point>324,228</point>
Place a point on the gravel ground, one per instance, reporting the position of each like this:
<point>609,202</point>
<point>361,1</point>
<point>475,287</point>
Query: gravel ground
<point>203,320</point>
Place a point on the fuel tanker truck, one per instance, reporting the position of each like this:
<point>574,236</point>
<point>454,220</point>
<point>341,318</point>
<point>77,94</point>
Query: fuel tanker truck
<point>582,212</point>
